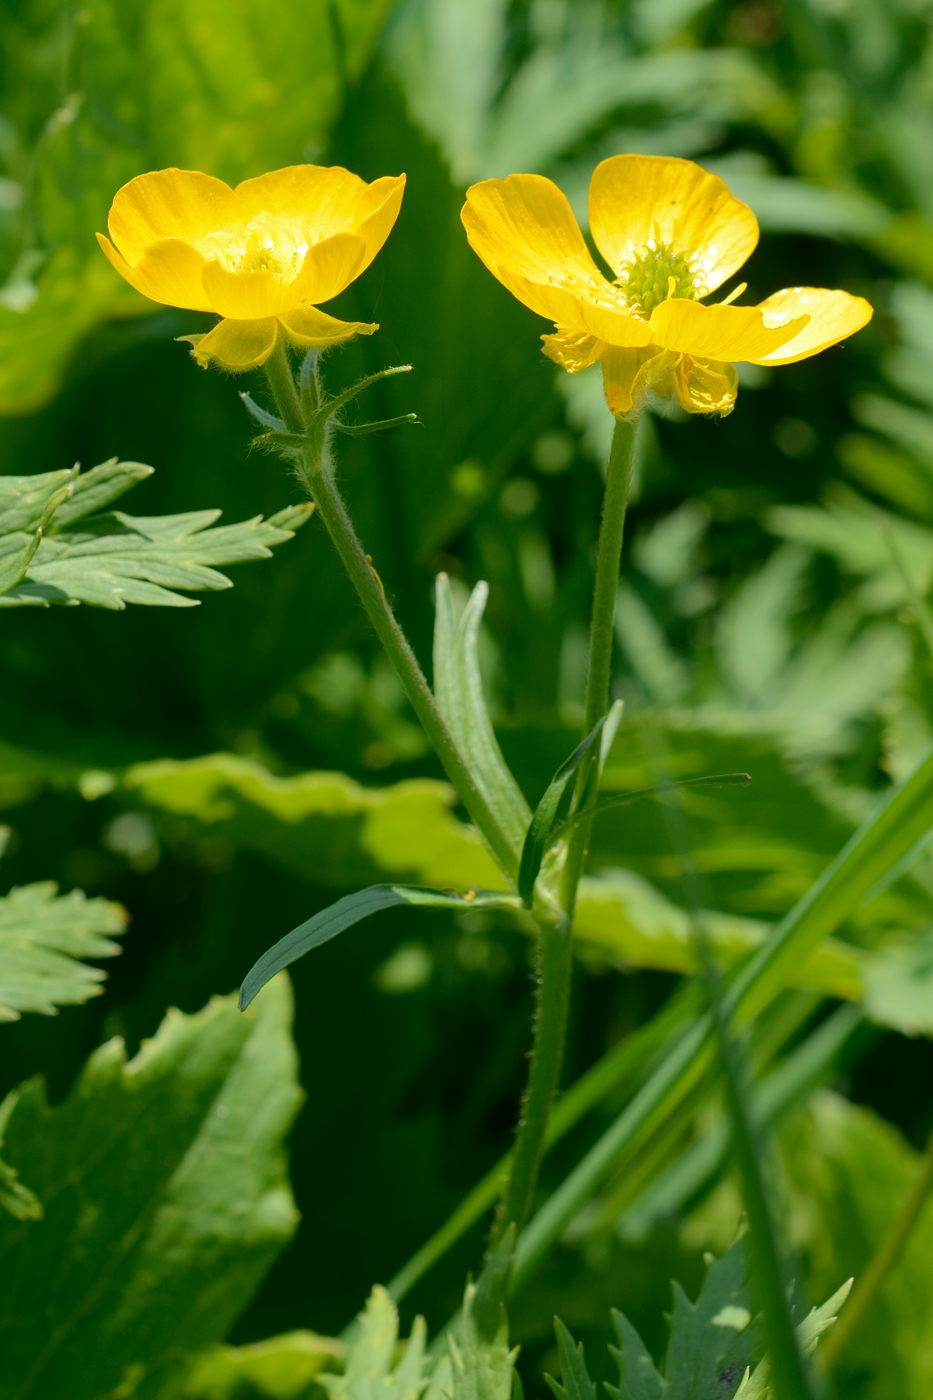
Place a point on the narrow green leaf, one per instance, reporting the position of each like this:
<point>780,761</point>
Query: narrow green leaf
<point>625,799</point>
<point>350,910</point>
<point>539,831</point>
<point>458,688</point>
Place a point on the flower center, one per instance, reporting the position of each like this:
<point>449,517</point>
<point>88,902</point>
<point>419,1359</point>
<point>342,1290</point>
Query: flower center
<point>265,244</point>
<point>659,271</point>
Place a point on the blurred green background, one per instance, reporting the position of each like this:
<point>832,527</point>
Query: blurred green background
<point>762,623</point>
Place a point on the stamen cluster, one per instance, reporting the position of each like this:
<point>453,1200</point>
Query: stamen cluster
<point>655,274</point>
<point>265,244</point>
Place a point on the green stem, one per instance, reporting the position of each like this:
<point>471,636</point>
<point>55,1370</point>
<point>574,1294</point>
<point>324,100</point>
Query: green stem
<point>883,1261</point>
<point>555,952</point>
<point>317,474</point>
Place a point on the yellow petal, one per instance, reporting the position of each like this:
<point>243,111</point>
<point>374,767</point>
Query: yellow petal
<point>703,385</point>
<point>181,204</point>
<point>573,350</point>
<point>328,267</point>
<point>238,345</point>
<point>169,272</point>
<point>246,296</point>
<point>523,226</point>
<point>628,376</point>
<point>376,213</point>
<point>833,317</point>
<point>637,198</point>
<point>718,332</point>
<point>308,326</point>
<point>577,313</point>
<point>315,200</point>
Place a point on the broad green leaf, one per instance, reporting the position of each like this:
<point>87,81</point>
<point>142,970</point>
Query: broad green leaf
<point>373,1370</point>
<point>233,89</point>
<point>280,1368</point>
<point>576,1383</point>
<point>714,1339</point>
<point>166,1199</point>
<point>349,911</point>
<point>43,936</point>
<point>458,688</point>
<point>322,826</point>
<point>898,981</point>
<point>542,823</point>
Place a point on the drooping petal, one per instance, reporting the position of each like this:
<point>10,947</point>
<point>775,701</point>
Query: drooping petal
<point>628,375</point>
<point>181,204</point>
<point>376,213</point>
<point>573,350</point>
<point>311,327</point>
<point>718,332</point>
<point>238,345</point>
<point>703,385</point>
<point>329,266</point>
<point>637,198</point>
<point>523,226</point>
<point>169,272</point>
<point>833,317</point>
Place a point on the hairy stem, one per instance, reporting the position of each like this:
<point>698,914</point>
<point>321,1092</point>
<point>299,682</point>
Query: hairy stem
<point>316,472</point>
<point>555,953</point>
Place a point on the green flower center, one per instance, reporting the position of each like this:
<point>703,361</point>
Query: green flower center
<point>656,273</point>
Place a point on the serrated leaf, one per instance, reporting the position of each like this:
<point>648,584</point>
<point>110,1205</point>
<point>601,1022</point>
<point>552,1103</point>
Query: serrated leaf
<point>368,1373</point>
<point>458,688</point>
<point>542,823</point>
<point>481,1364</point>
<point>639,1378</point>
<point>350,910</point>
<point>713,1340</point>
<point>43,935</point>
<point>166,1200</point>
<point>757,1384</point>
<point>575,1379</point>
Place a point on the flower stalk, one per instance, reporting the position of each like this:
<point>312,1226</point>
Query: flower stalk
<point>307,444</point>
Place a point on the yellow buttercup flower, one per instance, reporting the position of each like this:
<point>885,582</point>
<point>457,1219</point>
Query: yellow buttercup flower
<point>263,256</point>
<point>671,233</point>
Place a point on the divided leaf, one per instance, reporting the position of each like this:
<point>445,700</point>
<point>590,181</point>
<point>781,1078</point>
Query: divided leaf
<point>481,1365</point>
<point>166,1200</point>
<point>42,937</point>
<point>576,1379</point>
<point>369,1373</point>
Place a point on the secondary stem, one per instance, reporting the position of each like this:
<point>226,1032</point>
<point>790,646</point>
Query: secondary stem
<point>555,946</point>
<point>318,476</point>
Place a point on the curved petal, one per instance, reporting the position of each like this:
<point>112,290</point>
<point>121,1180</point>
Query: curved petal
<point>704,386</point>
<point>637,198</point>
<point>718,332</point>
<point>308,326</point>
<point>169,272</point>
<point>376,213</point>
<point>628,376</point>
<point>573,350</point>
<point>523,227</point>
<point>833,316</point>
<point>328,267</point>
<point>566,308</point>
<point>181,204</point>
<point>246,296</point>
<point>237,345</point>
<point>316,200</point>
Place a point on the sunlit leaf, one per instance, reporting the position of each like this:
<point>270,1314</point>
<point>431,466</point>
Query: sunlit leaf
<point>43,937</point>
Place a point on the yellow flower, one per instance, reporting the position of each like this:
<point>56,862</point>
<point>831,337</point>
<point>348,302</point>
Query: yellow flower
<point>262,256</point>
<point>671,233</point>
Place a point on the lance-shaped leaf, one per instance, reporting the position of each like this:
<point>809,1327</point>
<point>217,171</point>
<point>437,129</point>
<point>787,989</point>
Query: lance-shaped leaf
<point>350,910</point>
<point>542,823</point>
<point>42,937</point>
<point>576,1379</point>
<point>458,688</point>
<point>625,799</point>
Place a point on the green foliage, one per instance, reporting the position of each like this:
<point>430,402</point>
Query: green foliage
<point>43,935</point>
<point>373,1367</point>
<point>282,1367</point>
<point>93,98</point>
<point>165,1201</point>
<point>713,1344</point>
<point>113,559</point>
<point>350,910</point>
